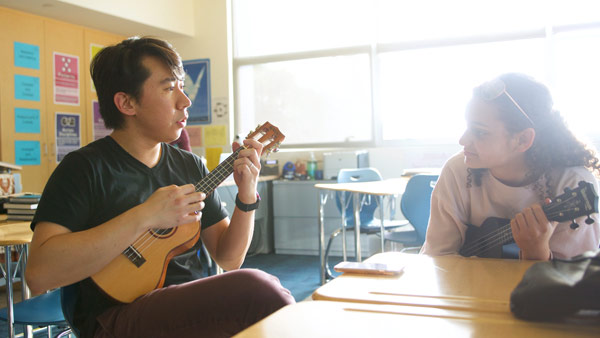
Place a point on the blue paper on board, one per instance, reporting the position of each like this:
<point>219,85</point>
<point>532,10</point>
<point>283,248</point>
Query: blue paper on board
<point>26,55</point>
<point>27,120</point>
<point>197,88</point>
<point>27,87</point>
<point>27,153</point>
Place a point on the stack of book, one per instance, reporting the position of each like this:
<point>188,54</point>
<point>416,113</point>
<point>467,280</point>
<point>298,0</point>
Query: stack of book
<point>22,207</point>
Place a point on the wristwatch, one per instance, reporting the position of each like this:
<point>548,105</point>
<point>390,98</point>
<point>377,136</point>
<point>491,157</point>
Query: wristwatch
<point>247,207</point>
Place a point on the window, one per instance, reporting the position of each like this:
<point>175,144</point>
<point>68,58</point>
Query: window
<point>424,92</point>
<point>388,72</point>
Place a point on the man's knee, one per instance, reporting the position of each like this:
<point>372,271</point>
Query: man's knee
<point>265,287</point>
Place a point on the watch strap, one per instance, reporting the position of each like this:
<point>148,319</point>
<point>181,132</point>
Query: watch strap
<point>247,207</point>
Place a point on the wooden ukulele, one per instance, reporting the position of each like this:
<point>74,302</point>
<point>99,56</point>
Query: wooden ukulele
<point>488,239</point>
<point>141,267</point>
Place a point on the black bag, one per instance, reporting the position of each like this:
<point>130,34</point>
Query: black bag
<point>558,288</point>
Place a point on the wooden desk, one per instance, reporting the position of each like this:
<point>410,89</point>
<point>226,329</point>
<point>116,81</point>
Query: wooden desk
<point>381,189</point>
<point>18,234</point>
<point>447,282</point>
<point>338,319</point>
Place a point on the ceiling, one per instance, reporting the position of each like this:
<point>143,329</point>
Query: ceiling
<point>83,16</point>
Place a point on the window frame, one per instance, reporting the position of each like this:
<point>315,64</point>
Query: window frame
<point>373,50</point>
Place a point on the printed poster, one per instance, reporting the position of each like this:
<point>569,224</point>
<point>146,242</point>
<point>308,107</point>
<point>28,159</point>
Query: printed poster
<point>220,111</point>
<point>99,130</point>
<point>197,88</point>
<point>68,134</point>
<point>66,79</point>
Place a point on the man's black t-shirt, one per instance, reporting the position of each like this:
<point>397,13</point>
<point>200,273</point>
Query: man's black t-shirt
<point>101,181</point>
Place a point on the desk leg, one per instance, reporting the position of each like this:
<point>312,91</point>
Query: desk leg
<point>380,200</point>
<point>10,316</point>
<point>356,201</point>
<point>322,201</point>
<point>25,294</point>
<point>343,207</point>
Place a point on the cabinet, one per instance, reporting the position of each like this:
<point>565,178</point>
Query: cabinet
<point>295,219</point>
<point>262,239</point>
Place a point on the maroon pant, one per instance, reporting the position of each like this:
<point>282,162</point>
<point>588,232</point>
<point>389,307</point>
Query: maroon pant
<point>216,306</point>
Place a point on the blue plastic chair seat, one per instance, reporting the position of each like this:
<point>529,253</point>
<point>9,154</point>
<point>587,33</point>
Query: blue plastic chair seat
<point>511,251</point>
<point>416,207</point>
<point>42,310</point>
<point>374,226</point>
<point>407,238</point>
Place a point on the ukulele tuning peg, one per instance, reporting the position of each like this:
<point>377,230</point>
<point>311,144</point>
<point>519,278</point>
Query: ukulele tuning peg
<point>574,225</point>
<point>589,220</point>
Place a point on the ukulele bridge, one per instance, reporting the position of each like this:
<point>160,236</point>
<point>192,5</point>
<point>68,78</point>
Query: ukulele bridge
<point>134,256</point>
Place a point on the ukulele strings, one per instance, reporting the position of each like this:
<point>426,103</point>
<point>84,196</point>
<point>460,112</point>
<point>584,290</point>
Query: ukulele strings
<point>212,180</point>
<point>207,185</point>
<point>504,233</point>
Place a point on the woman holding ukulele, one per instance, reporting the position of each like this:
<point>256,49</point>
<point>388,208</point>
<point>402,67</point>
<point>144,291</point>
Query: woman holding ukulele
<point>517,155</point>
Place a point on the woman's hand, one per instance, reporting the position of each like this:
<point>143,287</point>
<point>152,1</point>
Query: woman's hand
<point>532,231</point>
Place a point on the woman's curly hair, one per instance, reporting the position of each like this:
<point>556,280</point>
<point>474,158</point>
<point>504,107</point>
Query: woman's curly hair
<point>554,146</point>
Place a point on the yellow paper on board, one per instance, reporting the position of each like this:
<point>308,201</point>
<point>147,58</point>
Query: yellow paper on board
<point>212,157</point>
<point>215,135</point>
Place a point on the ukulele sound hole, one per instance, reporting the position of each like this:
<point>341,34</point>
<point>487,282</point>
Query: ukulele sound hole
<point>163,233</point>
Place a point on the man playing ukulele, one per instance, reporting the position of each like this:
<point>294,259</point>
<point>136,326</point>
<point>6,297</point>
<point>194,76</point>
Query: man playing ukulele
<point>104,196</point>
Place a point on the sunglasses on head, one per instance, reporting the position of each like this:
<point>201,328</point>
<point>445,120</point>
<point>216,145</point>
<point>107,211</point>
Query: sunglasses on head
<point>493,89</point>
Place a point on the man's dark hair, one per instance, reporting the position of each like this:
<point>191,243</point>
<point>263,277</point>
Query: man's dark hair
<point>119,68</point>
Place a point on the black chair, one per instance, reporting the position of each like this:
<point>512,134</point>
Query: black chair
<point>68,297</point>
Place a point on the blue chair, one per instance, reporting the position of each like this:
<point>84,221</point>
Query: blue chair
<point>368,223</point>
<point>42,310</point>
<point>68,297</point>
<point>415,206</point>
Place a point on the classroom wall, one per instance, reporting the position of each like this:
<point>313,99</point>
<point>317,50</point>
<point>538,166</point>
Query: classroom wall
<point>211,41</point>
<point>32,111</point>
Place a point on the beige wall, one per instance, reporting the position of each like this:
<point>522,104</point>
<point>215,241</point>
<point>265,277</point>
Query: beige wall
<point>211,41</point>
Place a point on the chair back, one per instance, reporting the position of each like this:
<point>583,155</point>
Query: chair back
<point>416,202</point>
<point>68,297</point>
<point>367,211</point>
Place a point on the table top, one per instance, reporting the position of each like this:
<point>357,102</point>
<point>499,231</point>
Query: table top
<point>448,282</point>
<point>339,319</point>
<point>392,186</point>
<point>14,232</point>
